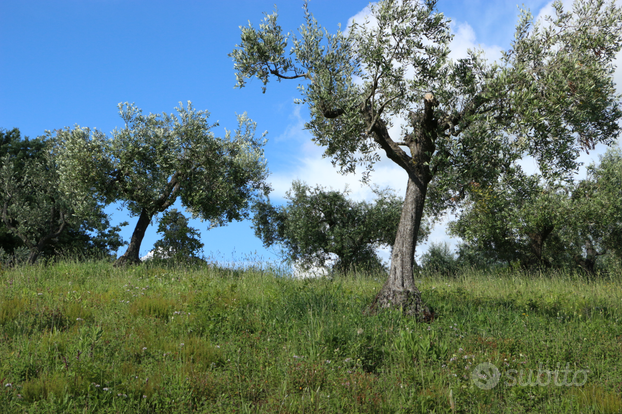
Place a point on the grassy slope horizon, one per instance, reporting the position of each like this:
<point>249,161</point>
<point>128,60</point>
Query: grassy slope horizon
<point>92,338</point>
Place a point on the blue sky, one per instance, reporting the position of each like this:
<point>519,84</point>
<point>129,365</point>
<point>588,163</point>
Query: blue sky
<point>68,62</point>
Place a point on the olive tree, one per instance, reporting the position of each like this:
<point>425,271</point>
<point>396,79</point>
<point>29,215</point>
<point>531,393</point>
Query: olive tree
<point>35,210</point>
<point>524,220</point>
<point>155,159</point>
<point>550,96</point>
<point>594,227</point>
<point>517,219</point>
<point>317,224</point>
<point>25,206</point>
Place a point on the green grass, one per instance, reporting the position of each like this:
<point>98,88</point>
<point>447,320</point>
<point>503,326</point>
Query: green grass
<point>93,338</point>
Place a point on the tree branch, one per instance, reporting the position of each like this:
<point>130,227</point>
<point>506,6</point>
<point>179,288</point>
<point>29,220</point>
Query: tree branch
<point>51,235</point>
<point>170,193</point>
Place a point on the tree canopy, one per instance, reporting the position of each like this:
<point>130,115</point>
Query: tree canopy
<point>549,97</point>
<point>524,220</point>
<point>36,214</point>
<point>515,220</point>
<point>155,159</point>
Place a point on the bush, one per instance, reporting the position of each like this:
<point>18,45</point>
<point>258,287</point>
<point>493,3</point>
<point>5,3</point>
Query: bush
<point>439,259</point>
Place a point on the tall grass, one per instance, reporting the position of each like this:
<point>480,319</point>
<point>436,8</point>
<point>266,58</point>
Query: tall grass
<point>87,337</point>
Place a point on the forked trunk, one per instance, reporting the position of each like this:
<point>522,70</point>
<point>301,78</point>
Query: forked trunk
<point>400,291</point>
<point>133,250</point>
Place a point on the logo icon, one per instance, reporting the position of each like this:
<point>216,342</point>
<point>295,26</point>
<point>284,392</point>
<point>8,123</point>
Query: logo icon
<point>485,376</point>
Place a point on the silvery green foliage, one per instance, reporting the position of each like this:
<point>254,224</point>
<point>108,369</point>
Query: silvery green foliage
<point>524,220</point>
<point>549,97</point>
<point>595,225</point>
<point>33,207</point>
<point>519,220</point>
<point>154,159</point>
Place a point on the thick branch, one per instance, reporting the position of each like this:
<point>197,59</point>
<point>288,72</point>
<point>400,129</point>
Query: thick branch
<point>50,236</point>
<point>279,75</point>
<point>470,109</point>
<point>331,113</point>
<point>170,193</point>
<point>390,147</point>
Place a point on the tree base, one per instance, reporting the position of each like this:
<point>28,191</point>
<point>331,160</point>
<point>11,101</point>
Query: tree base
<point>408,301</point>
<point>126,261</point>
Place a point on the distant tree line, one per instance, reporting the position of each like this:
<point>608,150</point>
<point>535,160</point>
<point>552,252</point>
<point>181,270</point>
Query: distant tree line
<point>525,222</point>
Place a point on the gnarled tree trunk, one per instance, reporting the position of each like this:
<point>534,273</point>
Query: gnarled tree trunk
<point>400,289</point>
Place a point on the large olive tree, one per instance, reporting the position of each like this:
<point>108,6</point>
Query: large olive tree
<point>155,159</point>
<point>549,96</point>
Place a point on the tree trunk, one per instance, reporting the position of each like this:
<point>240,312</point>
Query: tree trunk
<point>400,290</point>
<point>34,254</point>
<point>588,263</point>
<point>133,250</point>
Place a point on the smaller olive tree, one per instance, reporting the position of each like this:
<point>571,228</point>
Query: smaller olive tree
<point>156,159</point>
<point>523,219</point>
<point>517,219</point>
<point>316,224</point>
<point>179,242</point>
<point>595,227</point>
<point>439,259</point>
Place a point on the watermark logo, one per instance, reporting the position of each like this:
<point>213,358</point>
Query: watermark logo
<point>487,376</point>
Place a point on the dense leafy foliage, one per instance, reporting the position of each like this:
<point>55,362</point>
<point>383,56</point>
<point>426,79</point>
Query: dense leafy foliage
<point>316,224</point>
<point>439,259</point>
<point>595,225</point>
<point>37,215</point>
<point>523,220</point>
<point>179,241</point>
<point>156,159</point>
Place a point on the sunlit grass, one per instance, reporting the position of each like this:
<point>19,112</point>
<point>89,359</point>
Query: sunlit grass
<point>90,337</point>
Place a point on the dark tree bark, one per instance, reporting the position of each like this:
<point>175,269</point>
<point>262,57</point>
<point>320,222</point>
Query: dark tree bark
<point>537,244</point>
<point>168,197</point>
<point>588,263</point>
<point>131,255</point>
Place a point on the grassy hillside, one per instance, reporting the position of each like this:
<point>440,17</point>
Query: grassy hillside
<point>92,338</point>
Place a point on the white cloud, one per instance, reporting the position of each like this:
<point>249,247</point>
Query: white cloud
<point>295,129</point>
<point>313,169</point>
<point>364,16</point>
<point>465,40</point>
